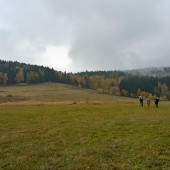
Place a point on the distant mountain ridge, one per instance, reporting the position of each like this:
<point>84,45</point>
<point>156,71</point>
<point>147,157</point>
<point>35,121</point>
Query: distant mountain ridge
<point>152,71</point>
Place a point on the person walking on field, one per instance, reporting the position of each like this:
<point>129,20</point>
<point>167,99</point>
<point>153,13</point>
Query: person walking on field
<point>141,100</point>
<point>156,102</point>
<point>148,102</point>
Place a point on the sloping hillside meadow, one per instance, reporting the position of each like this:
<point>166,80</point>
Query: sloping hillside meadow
<point>54,93</point>
<point>55,126</point>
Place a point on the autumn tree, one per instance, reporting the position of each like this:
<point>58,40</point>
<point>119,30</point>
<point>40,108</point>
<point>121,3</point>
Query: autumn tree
<point>124,92</point>
<point>4,78</point>
<point>20,76</point>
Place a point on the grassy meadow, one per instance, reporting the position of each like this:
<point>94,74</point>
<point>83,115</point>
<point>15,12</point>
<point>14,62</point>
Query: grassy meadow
<point>41,127</point>
<point>53,93</point>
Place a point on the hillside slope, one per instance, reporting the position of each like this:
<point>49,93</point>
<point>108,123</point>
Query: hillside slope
<point>148,82</point>
<point>54,93</point>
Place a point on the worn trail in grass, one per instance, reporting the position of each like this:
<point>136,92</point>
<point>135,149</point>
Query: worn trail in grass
<point>105,136</point>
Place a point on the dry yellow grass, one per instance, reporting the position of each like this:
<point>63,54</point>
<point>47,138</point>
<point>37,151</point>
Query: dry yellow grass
<point>54,93</point>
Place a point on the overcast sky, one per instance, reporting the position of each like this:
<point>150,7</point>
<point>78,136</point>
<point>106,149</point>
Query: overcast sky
<point>79,35</point>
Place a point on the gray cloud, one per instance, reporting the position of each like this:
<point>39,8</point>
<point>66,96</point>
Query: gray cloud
<point>100,34</point>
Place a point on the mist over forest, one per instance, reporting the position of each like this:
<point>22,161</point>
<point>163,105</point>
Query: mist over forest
<point>152,71</point>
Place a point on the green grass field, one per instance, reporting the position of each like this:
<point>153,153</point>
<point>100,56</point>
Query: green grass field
<point>51,134</point>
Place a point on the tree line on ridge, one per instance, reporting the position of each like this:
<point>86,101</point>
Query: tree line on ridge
<point>119,83</point>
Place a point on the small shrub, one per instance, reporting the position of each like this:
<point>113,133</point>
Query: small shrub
<point>9,95</point>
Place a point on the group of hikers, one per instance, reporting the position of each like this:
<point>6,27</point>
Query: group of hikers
<point>156,101</point>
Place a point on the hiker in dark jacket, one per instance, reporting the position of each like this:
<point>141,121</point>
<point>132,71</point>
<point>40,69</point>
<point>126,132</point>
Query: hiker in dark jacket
<point>156,102</point>
<point>141,100</point>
